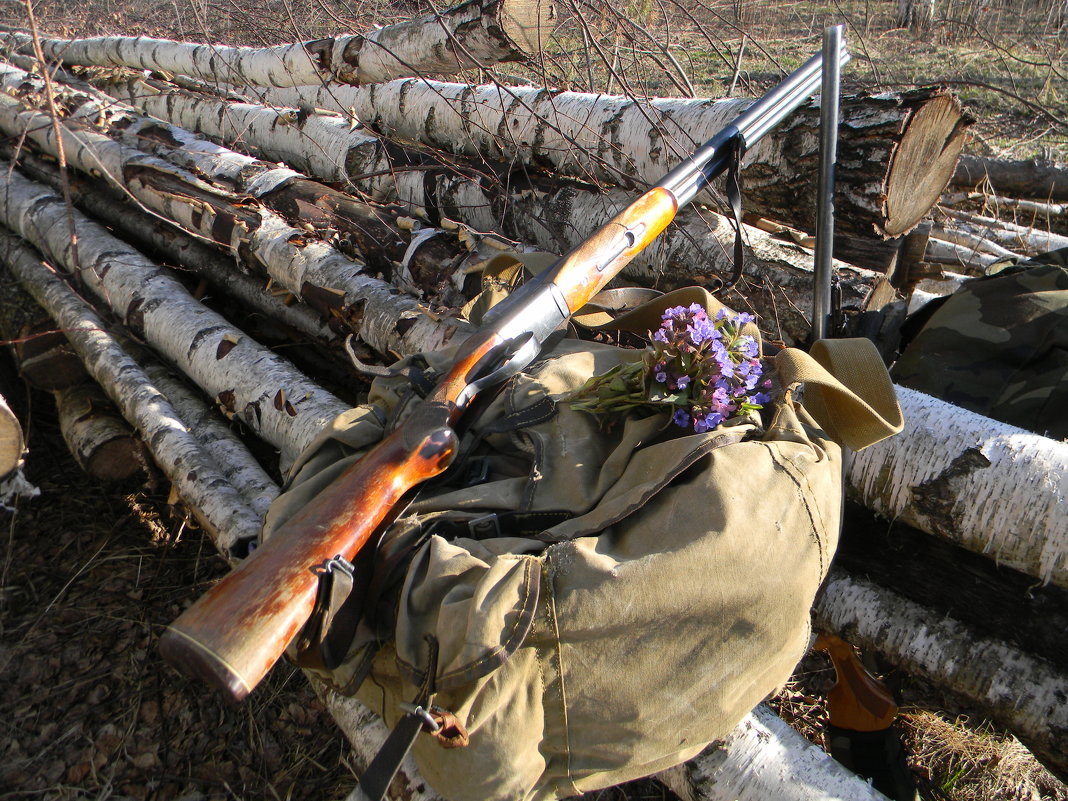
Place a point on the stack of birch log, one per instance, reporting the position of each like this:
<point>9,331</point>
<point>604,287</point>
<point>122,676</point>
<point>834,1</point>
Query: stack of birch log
<point>222,201</point>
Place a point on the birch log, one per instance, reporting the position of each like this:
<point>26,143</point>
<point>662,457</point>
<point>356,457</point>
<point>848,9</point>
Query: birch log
<point>96,436</point>
<point>281,405</point>
<point>751,764</point>
<point>310,269</point>
<point>330,147</point>
<point>949,581</point>
<point>990,487</point>
<point>12,443</point>
<point>1028,179</point>
<point>475,33</point>
<point>218,437</point>
<point>896,151</point>
<point>1020,692</point>
<point>212,499</point>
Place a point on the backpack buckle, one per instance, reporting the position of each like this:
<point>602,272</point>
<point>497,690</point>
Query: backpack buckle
<point>485,527</point>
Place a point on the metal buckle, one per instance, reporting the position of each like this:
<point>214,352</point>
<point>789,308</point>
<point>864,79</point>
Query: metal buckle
<point>428,720</point>
<point>476,472</point>
<point>484,527</point>
<point>338,562</point>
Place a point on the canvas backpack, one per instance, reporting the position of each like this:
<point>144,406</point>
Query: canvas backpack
<point>998,346</point>
<point>583,603</point>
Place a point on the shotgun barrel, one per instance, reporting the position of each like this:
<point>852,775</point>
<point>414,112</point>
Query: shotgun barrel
<point>237,630</point>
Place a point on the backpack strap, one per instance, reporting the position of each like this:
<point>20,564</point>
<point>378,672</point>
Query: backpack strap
<point>847,389</point>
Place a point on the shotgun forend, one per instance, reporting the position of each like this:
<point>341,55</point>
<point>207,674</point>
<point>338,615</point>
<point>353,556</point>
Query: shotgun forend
<point>237,630</point>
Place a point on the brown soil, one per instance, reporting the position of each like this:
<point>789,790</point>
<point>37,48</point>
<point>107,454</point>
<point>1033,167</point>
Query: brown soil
<point>91,574</point>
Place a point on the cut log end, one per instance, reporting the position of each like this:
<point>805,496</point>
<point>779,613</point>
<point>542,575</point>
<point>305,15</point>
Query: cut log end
<point>96,434</point>
<point>527,23</point>
<point>924,162</point>
<point>12,443</point>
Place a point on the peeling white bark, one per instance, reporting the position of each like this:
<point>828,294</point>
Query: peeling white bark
<point>383,317</point>
<point>212,498</point>
<point>765,759</point>
<point>326,146</point>
<point>473,33</point>
<point>220,441</point>
<point>273,398</point>
<point>1019,691</point>
<point>990,487</point>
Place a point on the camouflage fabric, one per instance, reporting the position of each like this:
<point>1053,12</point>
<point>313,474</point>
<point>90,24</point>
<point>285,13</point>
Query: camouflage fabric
<point>999,346</point>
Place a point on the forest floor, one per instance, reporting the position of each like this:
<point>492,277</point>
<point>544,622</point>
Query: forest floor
<point>91,572</point>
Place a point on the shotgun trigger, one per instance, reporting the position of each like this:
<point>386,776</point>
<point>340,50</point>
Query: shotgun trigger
<point>500,364</point>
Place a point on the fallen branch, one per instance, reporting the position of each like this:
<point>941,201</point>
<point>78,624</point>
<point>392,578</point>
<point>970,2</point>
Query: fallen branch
<point>1009,233</point>
<point>1029,179</point>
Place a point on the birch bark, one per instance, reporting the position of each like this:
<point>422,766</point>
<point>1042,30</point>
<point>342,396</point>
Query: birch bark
<point>896,151</point>
<point>761,759</point>
<point>336,285</point>
<point>990,487</point>
<point>212,499</point>
<point>98,439</point>
<point>696,247</point>
<point>1019,691</point>
<point>278,403</point>
<point>237,464</point>
<point>475,33</point>
<point>12,443</point>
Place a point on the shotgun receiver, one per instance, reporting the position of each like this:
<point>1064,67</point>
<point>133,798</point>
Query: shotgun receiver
<point>237,630</point>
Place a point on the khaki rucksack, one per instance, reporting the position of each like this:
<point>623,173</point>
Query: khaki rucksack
<point>593,603</point>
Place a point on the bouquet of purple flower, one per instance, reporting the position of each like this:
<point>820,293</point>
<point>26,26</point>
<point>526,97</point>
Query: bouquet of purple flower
<point>702,369</point>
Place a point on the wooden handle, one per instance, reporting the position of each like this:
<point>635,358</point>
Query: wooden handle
<point>858,700</point>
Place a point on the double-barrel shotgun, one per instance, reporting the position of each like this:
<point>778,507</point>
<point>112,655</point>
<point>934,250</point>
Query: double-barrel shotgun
<point>236,631</point>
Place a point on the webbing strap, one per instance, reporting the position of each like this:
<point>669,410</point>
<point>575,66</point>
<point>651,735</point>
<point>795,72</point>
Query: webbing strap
<point>847,389</point>
<point>734,200</point>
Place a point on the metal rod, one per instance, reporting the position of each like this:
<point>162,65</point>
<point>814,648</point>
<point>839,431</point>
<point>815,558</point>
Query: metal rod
<point>821,296</point>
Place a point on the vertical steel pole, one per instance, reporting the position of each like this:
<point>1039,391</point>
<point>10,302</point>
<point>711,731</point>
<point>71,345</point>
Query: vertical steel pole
<point>821,296</point>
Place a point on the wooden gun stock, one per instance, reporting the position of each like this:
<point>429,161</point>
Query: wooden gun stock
<point>237,630</point>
